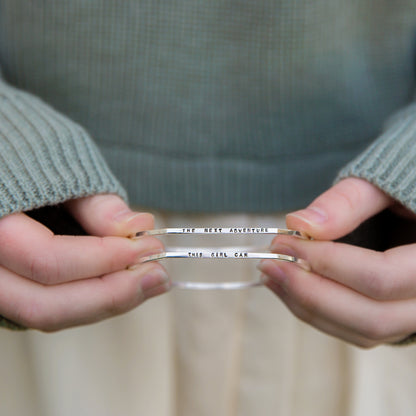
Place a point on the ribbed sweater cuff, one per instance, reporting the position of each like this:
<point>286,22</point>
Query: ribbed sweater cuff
<point>390,162</point>
<point>45,158</point>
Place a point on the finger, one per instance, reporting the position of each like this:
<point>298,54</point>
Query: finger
<point>32,250</point>
<point>321,324</point>
<point>339,210</point>
<point>378,275</point>
<point>108,214</point>
<point>321,300</point>
<point>50,308</point>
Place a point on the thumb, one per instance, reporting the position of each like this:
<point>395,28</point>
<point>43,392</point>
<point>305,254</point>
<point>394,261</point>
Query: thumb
<point>108,215</point>
<point>339,210</point>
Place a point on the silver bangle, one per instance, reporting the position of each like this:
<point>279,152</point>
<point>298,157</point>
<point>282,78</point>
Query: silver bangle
<point>228,253</point>
<point>221,253</point>
<point>222,230</point>
<point>216,285</point>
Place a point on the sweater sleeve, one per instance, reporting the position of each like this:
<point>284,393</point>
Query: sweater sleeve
<point>390,161</point>
<point>390,164</point>
<point>45,158</point>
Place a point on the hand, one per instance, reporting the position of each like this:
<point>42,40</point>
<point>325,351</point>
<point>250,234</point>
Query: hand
<point>358,295</point>
<point>50,282</point>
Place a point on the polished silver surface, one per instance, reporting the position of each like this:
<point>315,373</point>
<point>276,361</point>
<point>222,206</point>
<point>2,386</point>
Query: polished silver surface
<point>225,253</point>
<point>216,285</point>
<point>222,230</point>
<point>221,253</point>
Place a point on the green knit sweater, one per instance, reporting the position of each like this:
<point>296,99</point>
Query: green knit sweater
<point>205,105</point>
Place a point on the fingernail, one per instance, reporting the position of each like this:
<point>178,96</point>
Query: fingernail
<point>279,248</point>
<point>144,247</point>
<point>311,215</point>
<point>126,216</point>
<point>273,272</point>
<point>270,268</point>
<point>154,283</point>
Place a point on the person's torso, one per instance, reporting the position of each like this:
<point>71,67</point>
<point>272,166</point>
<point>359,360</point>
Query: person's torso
<point>264,82</point>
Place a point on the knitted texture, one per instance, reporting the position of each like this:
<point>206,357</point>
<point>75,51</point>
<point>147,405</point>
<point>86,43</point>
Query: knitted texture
<point>212,105</point>
<point>45,159</point>
<point>204,106</point>
<point>390,162</point>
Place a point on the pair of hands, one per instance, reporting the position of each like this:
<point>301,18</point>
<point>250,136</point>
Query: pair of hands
<point>361,296</point>
<point>50,282</point>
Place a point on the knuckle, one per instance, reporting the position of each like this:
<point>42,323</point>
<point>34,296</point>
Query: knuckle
<point>366,344</point>
<point>380,283</point>
<point>117,305</point>
<point>105,246</point>
<point>304,309</point>
<point>376,328</point>
<point>151,244</point>
<point>348,193</point>
<point>322,263</point>
<point>118,302</point>
<point>7,227</point>
<point>377,286</point>
<point>114,305</point>
<point>37,316</point>
<point>306,304</point>
<point>304,315</point>
<point>44,269</point>
<point>298,312</point>
<point>46,325</point>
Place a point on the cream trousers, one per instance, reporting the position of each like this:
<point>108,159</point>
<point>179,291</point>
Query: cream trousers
<point>212,353</point>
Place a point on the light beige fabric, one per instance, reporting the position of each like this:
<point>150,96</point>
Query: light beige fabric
<point>203,353</point>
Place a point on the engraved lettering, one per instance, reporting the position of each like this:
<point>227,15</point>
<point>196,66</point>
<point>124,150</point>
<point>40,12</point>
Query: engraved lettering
<point>194,254</point>
<point>248,230</point>
<point>218,230</point>
<point>219,254</point>
<point>239,254</point>
<point>188,230</point>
